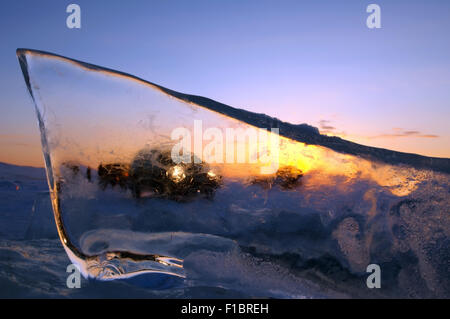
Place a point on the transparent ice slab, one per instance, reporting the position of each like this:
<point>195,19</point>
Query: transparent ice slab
<point>102,131</point>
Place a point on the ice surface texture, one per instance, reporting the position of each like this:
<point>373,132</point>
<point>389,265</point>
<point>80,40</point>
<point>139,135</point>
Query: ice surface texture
<point>313,235</point>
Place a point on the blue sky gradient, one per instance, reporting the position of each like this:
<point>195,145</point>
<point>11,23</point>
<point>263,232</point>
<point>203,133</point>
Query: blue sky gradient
<point>301,61</point>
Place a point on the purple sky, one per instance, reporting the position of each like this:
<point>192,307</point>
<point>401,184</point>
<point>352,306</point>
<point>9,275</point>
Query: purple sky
<point>301,61</point>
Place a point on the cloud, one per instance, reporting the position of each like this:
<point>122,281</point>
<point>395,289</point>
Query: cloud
<point>328,129</point>
<point>325,127</point>
<point>20,140</point>
<point>399,132</point>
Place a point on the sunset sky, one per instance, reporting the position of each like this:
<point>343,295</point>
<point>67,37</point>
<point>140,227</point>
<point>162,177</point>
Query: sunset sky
<point>312,62</point>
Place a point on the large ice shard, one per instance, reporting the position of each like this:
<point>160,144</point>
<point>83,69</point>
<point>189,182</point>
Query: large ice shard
<point>144,180</point>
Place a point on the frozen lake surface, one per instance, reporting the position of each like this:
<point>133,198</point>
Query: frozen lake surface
<point>414,250</point>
